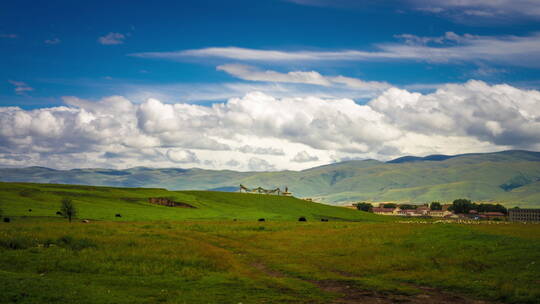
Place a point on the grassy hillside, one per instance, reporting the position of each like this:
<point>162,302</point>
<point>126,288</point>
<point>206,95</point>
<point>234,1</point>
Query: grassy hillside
<point>104,203</point>
<point>509,177</point>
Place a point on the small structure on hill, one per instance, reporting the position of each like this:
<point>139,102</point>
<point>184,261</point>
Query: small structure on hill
<point>261,190</point>
<point>163,201</point>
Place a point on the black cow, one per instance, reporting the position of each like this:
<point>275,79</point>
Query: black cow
<point>261,220</point>
<point>59,213</point>
<point>324,220</point>
<point>302,219</point>
<point>118,215</point>
<point>7,220</point>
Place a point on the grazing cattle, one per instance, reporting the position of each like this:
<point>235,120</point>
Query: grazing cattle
<point>261,220</point>
<point>29,210</point>
<point>7,220</point>
<point>118,215</point>
<point>86,221</point>
<point>58,213</point>
<point>324,220</point>
<point>302,219</point>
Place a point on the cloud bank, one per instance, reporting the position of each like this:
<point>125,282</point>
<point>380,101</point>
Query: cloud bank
<point>262,132</point>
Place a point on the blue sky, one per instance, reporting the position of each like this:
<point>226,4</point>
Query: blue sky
<point>210,52</point>
<point>75,63</point>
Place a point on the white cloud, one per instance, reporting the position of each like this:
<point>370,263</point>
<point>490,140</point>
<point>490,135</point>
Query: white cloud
<point>285,133</point>
<point>259,164</point>
<point>52,41</point>
<point>261,150</point>
<point>182,156</point>
<point>455,9</point>
<point>512,50</point>
<point>21,87</point>
<point>247,72</point>
<point>112,39</point>
<point>304,157</point>
<point>480,8</point>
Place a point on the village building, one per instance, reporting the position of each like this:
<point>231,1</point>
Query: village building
<point>493,215</point>
<point>383,211</point>
<point>524,215</point>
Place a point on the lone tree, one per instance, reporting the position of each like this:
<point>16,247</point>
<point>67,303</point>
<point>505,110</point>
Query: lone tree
<point>68,208</point>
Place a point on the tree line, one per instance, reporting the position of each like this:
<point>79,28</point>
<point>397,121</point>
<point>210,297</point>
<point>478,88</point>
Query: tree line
<point>458,206</point>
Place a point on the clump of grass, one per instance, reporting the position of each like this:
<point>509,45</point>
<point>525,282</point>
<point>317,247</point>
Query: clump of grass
<point>72,243</point>
<point>17,242</point>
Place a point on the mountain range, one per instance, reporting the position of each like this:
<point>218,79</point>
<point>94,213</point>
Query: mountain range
<point>509,177</point>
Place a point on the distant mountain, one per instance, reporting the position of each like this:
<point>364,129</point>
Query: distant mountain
<point>510,177</point>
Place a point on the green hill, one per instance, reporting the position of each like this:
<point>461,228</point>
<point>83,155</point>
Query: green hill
<point>509,177</point>
<point>103,203</point>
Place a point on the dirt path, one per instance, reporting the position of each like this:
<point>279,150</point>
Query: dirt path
<point>348,294</point>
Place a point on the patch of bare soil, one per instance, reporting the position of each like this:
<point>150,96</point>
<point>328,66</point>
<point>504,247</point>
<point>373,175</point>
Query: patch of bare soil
<point>350,295</point>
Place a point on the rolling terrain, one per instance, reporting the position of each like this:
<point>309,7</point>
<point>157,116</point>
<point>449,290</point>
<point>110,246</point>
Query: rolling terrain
<point>158,254</point>
<point>509,177</point>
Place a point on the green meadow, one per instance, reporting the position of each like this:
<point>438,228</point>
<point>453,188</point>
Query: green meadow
<point>219,253</point>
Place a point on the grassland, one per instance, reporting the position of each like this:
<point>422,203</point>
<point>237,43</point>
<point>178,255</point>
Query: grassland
<point>156,254</point>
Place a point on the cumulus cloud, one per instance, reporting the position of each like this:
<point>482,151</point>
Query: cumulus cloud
<point>511,50</point>
<point>182,156</point>
<point>247,72</point>
<point>291,133</point>
<point>304,157</point>
<point>112,39</point>
<point>21,88</point>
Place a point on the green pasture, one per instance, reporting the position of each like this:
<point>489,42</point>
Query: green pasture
<point>156,254</point>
